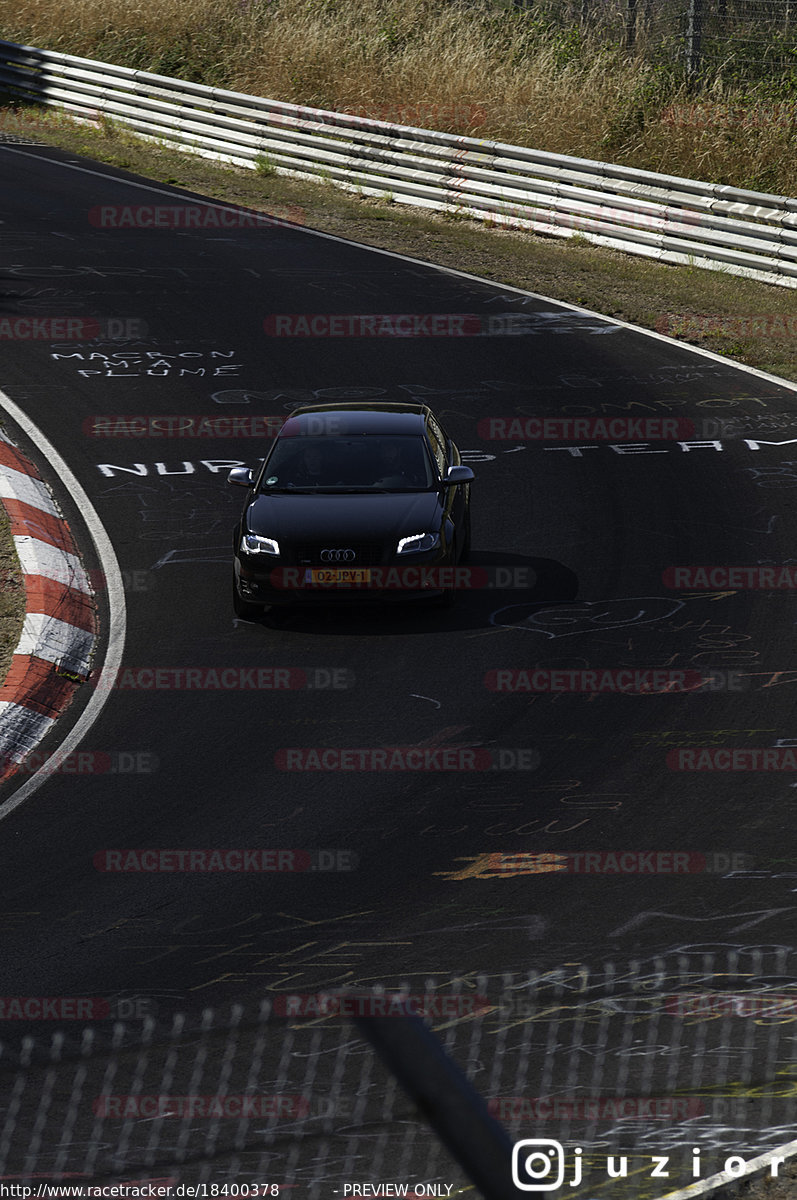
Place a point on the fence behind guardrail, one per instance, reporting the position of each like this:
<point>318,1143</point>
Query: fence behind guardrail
<point>681,1052</point>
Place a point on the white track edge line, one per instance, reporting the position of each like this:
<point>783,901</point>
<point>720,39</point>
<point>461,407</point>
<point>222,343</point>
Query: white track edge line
<point>116,601</point>
<point>493,283</point>
<point>723,1178</point>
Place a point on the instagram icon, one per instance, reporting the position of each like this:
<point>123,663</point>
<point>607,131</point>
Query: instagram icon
<point>538,1165</point>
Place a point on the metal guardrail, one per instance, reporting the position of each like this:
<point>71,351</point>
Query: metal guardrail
<point>640,212</point>
<point>687,1054</point>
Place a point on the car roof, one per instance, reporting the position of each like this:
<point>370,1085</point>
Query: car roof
<point>367,417</point>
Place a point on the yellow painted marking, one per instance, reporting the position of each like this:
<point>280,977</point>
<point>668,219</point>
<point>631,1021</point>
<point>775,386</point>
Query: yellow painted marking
<point>506,866</point>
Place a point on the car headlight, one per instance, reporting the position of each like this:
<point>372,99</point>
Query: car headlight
<point>253,543</point>
<point>418,541</point>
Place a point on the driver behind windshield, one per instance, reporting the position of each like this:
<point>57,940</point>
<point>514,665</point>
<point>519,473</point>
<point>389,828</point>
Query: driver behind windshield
<point>365,463</point>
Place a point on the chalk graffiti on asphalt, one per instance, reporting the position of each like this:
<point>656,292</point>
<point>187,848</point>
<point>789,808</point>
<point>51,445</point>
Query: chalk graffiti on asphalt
<point>569,620</point>
<point>127,364</point>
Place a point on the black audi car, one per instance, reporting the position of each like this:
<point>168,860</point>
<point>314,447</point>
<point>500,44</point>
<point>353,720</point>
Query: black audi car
<point>355,502</point>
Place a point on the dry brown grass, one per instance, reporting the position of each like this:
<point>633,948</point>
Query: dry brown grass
<point>12,596</point>
<point>462,67</point>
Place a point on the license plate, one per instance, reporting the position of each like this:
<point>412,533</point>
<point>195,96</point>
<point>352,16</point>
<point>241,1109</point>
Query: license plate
<point>338,577</point>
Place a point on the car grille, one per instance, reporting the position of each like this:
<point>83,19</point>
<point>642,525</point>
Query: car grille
<point>366,554</point>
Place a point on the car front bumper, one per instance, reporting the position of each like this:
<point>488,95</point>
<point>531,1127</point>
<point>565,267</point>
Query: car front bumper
<point>389,582</point>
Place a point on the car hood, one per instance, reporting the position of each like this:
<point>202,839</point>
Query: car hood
<point>361,517</point>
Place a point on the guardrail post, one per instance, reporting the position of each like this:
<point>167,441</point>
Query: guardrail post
<point>630,23</point>
<point>694,38</point>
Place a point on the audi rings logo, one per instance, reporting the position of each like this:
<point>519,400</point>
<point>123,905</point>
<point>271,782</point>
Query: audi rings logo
<point>338,556</point>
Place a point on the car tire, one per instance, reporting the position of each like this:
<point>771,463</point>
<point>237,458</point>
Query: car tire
<point>243,608</point>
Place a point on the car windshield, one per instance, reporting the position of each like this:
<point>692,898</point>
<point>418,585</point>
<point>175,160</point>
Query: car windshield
<point>360,464</point>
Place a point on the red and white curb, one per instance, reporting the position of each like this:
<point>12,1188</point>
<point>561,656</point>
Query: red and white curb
<point>58,636</point>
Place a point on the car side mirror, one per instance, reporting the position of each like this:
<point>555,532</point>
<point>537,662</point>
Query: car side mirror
<point>243,476</point>
<point>455,475</point>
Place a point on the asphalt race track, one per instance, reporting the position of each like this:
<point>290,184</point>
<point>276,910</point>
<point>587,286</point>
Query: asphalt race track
<point>428,874</point>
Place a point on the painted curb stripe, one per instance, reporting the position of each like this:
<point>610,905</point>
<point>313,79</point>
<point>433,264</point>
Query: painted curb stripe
<point>68,604</point>
<point>59,631</point>
<point>13,458</point>
<point>22,730</point>
<point>38,558</point>
<point>14,485</point>
<point>110,581</point>
<point>32,685</point>
<point>57,642</point>
<point>27,521</point>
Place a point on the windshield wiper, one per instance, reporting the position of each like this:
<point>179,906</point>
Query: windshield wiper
<point>342,490</point>
<point>337,491</point>
<point>290,491</point>
<point>380,491</point>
